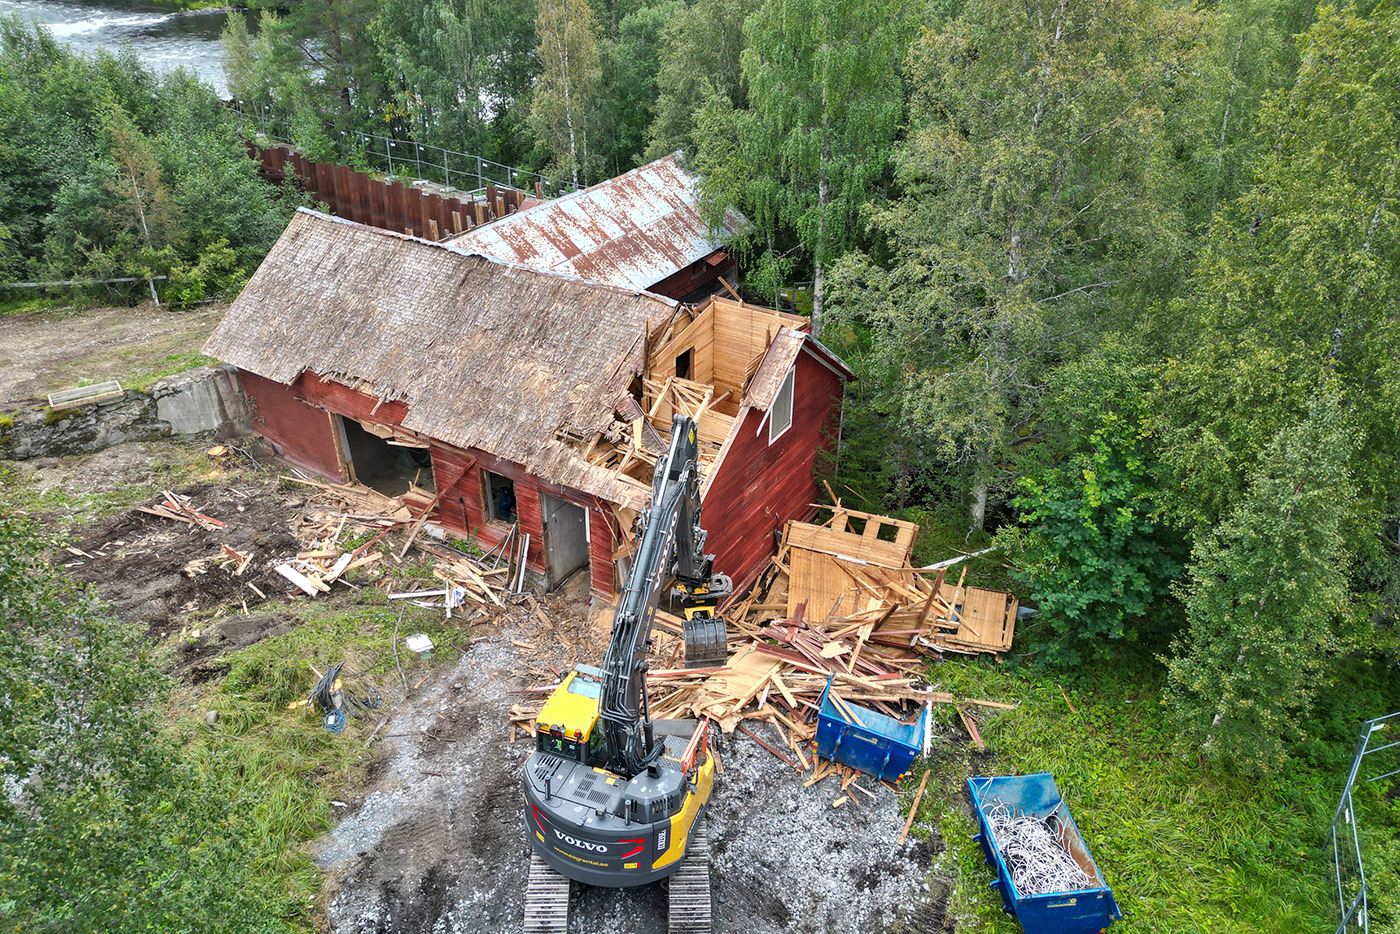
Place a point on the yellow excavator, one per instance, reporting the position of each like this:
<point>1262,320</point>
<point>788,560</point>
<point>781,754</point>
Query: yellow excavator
<point>612,797</point>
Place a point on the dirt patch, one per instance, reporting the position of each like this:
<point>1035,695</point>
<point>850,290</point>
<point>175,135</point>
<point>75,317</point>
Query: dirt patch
<point>143,564</point>
<point>45,352</point>
<point>437,843</point>
<point>196,657</point>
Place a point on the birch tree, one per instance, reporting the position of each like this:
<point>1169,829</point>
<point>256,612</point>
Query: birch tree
<point>1301,275</point>
<point>1038,208</point>
<point>569,57</point>
<point>825,102</point>
<point>699,60</point>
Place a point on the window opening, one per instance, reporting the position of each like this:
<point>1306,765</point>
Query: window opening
<point>683,365</point>
<point>780,414</point>
<point>500,498</point>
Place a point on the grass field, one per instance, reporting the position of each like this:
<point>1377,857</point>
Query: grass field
<point>1186,850</point>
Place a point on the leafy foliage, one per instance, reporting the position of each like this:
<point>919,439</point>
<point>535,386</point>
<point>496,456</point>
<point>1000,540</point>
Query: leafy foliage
<point>1267,601</point>
<point>102,825</point>
<point>563,101</point>
<point>116,172</point>
<point>825,104</point>
<point>1036,203</point>
<point>700,60</point>
<point>1097,554</point>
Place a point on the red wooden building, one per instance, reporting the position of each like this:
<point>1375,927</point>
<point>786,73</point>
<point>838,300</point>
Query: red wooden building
<point>499,396</point>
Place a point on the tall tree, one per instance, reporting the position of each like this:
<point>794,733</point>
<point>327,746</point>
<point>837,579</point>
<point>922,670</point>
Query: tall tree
<point>317,65</point>
<point>825,102</point>
<point>142,205</point>
<point>1038,207</point>
<point>569,57</point>
<point>628,89</point>
<point>1267,598</point>
<point>1301,274</point>
<point>457,67</point>
<point>700,59</point>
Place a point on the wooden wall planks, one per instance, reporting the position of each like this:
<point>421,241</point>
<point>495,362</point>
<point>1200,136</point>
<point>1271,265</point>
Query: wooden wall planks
<point>759,486</point>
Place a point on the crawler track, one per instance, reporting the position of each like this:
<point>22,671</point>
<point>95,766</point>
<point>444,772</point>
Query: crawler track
<point>690,911</point>
<point>546,899</point>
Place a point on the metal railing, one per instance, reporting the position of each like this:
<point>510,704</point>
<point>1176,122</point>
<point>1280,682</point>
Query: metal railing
<point>458,171</point>
<point>1345,837</point>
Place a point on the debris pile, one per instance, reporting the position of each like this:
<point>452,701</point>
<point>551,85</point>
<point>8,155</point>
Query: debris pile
<point>853,573</point>
<point>839,603</point>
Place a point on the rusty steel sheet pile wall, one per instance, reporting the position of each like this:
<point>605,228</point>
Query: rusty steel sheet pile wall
<point>369,199</point>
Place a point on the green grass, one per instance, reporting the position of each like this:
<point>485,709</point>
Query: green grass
<point>31,305</point>
<point>281,765</point>
<point>1184,850</point>
<point>150,371</point>
<point>179,464</point>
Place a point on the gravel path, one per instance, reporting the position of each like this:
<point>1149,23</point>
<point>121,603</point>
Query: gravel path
<point>437,845</point>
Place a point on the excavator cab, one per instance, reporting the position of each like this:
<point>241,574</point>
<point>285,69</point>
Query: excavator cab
<point>567,725</point>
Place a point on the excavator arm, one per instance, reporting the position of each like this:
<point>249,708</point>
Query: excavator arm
<point>670,548</point>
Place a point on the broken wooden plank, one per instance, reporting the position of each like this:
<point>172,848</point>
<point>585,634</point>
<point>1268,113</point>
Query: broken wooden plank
<point>301,581</point>
<point>913,808</point>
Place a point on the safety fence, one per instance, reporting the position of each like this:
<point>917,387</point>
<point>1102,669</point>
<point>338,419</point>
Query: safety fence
<point>1375,760</point>
<point>415,161</point>
<point>391,205</point>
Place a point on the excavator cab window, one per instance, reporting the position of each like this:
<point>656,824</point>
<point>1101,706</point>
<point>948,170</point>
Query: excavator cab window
<point>598,746</point>
<point>559,746</point>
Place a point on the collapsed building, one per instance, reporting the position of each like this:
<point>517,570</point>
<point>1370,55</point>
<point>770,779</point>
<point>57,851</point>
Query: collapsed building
<point>505,400</point>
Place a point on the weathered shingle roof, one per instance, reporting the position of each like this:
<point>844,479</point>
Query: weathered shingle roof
<point>486,354</point>
<point>778,359</point>
<point>631,231</point>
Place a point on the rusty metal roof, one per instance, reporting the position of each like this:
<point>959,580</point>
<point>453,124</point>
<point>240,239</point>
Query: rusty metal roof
<point>631,231</point>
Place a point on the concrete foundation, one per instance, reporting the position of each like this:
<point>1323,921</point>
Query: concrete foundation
<point>203,401</point>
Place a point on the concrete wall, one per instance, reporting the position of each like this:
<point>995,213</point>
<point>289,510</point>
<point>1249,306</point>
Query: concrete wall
<point>203,402</point>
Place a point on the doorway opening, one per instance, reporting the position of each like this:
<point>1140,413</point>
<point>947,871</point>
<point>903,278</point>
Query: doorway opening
<point>565,539</point>
<point>392,467</point>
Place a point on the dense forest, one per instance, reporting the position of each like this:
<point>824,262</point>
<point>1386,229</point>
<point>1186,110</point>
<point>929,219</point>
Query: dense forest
<point>1120,279</point>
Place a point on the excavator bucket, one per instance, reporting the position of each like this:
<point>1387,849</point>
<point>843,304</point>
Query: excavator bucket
<point>706,644</point>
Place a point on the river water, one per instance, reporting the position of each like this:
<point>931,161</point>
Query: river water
<point>164,40</point>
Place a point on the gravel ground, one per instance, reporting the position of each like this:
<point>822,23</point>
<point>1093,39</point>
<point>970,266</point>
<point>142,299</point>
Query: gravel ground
<point>436,844</point>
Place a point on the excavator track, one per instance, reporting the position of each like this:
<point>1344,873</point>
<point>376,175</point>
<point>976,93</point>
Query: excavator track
<point>690,908</point>
<point>546,899</point>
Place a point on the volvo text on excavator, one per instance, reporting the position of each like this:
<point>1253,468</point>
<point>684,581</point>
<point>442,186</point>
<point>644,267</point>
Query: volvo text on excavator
<point>613,798</point>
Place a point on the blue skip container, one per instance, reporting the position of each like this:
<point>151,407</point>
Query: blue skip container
<point>878,745</point>
<point>1087,911</point>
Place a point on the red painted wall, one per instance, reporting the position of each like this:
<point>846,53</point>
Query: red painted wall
<point>298,419</point>
<point>303,432</point>
<point>759,486</point>
<point>695,276</point>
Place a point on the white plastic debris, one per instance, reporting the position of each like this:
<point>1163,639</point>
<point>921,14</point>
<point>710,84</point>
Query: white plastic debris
<point>419,642</point>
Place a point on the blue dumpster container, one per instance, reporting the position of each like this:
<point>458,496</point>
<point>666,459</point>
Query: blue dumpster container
<point>878,745</point>
<point>1087,911</point>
